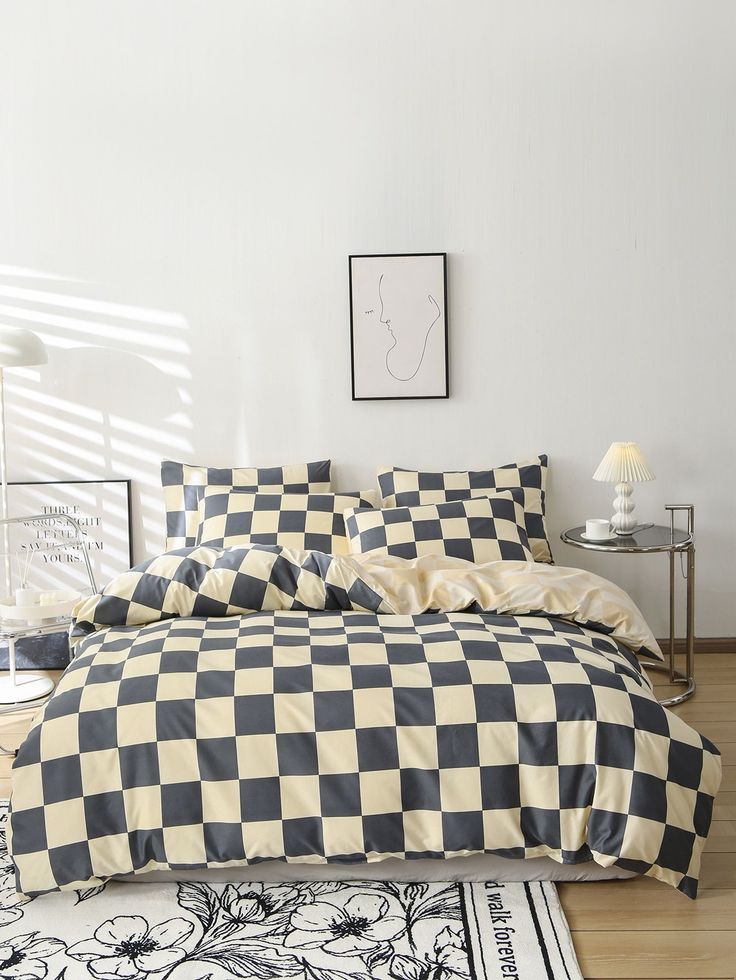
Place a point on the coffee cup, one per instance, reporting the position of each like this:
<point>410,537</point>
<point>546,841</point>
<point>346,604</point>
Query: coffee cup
<point>598,529</point>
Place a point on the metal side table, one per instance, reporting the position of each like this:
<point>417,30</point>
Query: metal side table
<point>31,690</point>
<point>646,540</point>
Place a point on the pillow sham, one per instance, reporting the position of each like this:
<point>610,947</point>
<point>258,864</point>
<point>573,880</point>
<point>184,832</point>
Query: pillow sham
<point>410,488</point>
<point>182,485</point>
<point>479,530</point>
<point>302,521</point>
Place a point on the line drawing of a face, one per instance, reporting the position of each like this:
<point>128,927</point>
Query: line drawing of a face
<point>410,333</point>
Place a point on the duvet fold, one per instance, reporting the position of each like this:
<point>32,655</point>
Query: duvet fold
<point>225,582</point>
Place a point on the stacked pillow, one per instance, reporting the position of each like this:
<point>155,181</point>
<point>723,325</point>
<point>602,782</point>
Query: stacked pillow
<point>303,521</point>
<point>489,515</point>
<point>481,530</point>
<point>183,486</point>
<point>526,481</point>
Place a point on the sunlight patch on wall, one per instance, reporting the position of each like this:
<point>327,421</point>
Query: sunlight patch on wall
<point>17,271</point>
<point>114,399</point>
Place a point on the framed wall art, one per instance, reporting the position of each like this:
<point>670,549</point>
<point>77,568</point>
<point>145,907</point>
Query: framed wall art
<point>41,555</point>
<point>398,326</point>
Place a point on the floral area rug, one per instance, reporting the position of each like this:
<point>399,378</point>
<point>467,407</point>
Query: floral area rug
<point>308,931</point>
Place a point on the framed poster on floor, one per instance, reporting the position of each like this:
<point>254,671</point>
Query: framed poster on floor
<point>42,554</point>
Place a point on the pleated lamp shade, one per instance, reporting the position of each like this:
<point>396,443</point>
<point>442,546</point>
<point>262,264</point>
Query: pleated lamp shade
<point>623,463</point>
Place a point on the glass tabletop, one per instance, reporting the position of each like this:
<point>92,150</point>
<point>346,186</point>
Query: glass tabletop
<point>648,538</point>
<point>17,631</point>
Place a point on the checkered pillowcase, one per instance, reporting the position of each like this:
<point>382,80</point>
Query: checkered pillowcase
<point>301,521</point>
<point>182,485</point>
<point>410,488</point>
<point>479,530</point>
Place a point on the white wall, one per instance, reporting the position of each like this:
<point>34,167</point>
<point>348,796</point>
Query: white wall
<point>181,183</point>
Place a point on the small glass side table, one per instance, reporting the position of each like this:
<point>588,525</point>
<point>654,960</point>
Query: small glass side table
<point>646,540</point>
<point>16,692</point>
<point>32,690</point>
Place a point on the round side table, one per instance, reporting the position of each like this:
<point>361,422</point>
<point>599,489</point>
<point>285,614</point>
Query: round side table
<point>647,540</point>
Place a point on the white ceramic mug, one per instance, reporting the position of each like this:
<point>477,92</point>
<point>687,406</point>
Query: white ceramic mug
<point>598,529</point>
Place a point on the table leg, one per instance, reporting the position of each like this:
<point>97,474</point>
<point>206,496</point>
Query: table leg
<point>672,617</point>
<point>690,639</point>
<point>688,678</point>
<point>21,689</point>
<point>11,660</point>
<point>11,670</point>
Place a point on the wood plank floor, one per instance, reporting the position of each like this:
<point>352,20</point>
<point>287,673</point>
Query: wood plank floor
<point>642,929</point>
<point>639,929</point>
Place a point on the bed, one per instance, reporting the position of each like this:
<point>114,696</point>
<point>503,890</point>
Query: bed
<point>259,709</point>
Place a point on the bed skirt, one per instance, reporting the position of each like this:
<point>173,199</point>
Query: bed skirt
<point>477,867</point>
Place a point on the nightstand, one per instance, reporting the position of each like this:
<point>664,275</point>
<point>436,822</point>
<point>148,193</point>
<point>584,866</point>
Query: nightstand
<point>31,690</point>
<point>647,540</point>
<point>34,689</point>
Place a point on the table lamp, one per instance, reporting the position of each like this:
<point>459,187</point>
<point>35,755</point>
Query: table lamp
<point>623,465</point>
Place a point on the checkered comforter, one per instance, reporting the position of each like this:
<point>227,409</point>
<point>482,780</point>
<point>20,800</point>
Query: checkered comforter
<point>336,724</point>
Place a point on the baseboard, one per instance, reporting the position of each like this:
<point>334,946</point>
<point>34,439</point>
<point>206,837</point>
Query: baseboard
<point>704,644</point>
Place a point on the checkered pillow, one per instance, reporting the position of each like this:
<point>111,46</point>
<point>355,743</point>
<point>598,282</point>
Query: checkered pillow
<point>409,488</point>
<point>301,521</point>
<point>480,530</point>
<point>182,485</point>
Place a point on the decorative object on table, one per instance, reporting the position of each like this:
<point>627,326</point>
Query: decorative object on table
<point>30,614</point>
<point>34,607</point>
<point>651,539</point>
<point>598,529</point>
<point>18,348</point>
<point>623,465</point>
<point>327,929</point>
<point>398,326</point>
<point>101,508</point>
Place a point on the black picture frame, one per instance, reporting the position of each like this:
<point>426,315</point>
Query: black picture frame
<point>445,347</point>
<point>87,482</point>
<point>51,651</point>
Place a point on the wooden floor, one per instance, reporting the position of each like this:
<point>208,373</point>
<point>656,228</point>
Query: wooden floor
<point>639,929</point>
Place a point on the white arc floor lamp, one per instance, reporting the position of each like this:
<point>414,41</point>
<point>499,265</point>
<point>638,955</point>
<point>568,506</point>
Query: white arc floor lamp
<point>623,465</point>
<point>18,348</point>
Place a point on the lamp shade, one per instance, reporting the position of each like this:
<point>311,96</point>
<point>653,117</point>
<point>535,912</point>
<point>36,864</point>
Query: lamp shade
<point>20,348</point>
<point>623,463</point>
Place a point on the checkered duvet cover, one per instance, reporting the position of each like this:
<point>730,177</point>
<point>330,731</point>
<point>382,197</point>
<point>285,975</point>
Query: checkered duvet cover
<point>227,707</point>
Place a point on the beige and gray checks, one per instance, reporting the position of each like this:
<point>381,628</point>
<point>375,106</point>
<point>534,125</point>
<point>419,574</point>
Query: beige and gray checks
<point>302,521</point>
<point>480,530</point>
<point>183,483</point>
<point>526,480</point>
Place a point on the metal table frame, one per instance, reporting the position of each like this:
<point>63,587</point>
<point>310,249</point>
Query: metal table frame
<point>680,542</point>
<point>12,632</point>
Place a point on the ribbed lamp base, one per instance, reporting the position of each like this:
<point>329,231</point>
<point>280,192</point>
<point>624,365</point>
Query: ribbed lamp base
<point>623,521</point>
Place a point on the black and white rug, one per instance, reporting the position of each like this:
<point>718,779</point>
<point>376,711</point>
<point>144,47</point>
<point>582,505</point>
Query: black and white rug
<point>307,931</point>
